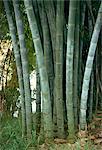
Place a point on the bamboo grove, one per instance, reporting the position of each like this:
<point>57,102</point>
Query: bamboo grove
<point>67,38</point>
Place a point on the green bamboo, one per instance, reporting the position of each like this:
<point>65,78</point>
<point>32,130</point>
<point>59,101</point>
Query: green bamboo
<point>48,53</point>
<point>46,102</point>
<point>38,102</point>
<point>88,69</point>
<point>69,69</point>
<point>82,20</point>
<point>101,69</point>
<point>58,82</point>
<point>37,15</point>
<point>51,16</point>
<point>16,50</point>
<point>76,66</point>
<point>91,97</point>
<point>97,83</point>
<point>90,11</point>
<point>24,59</point>
<point>91,91</point>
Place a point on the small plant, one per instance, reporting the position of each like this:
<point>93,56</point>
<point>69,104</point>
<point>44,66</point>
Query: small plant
<point>10,135</point>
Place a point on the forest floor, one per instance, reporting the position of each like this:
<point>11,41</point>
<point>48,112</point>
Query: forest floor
<point>10,138</point>
<point>88,140</point>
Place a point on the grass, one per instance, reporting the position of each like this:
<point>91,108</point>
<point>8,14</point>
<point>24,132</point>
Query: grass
<point>10,139</point>
<point>10,135</point>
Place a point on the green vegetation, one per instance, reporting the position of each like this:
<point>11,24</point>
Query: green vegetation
<point>60,41</point>
<point>10,135</point>
<point>10,139</point>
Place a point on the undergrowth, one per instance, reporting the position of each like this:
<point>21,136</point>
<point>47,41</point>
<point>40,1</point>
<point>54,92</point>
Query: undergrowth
<point>11,139</point>
<point>10,135</point>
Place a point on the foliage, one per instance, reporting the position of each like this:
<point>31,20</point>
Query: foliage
<point>3,26</point>
<point>10,139</point>
<point>13,82</point>
<point>10,135</point>
<point>11,95</point>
